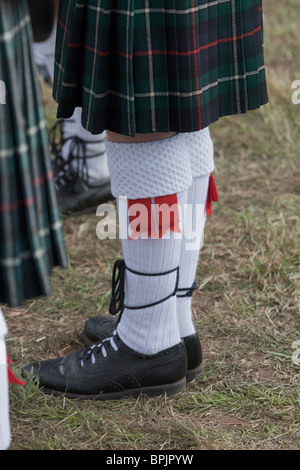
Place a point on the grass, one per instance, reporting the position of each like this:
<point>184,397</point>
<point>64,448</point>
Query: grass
<point>246,308</point>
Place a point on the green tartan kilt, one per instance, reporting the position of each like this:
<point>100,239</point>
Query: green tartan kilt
<point>31,233</point>
<point>158,65</point>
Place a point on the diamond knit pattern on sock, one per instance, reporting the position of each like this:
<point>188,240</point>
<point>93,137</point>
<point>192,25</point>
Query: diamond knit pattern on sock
<point>201,152</point>
<point>151,169</point>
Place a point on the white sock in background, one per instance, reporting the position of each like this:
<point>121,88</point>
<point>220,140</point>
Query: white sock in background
<point>94,148</point>
<point>96,166</point>
<point>193,233</point>
<point>44,52</point>
<point>4,397</point>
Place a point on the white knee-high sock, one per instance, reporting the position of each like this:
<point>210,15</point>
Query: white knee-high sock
<point>194,223</point>
<point>151,329</point>
<point>148,171</point>
<point>201,154</point>
<point>4,398</point>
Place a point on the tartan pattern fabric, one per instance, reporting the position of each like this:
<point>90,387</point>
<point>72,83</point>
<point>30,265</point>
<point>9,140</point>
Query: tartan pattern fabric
<point>158,65</point>
<point>31,232</point>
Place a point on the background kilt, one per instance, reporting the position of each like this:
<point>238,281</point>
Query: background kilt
<point>31,236</point>
<point>158,65</point>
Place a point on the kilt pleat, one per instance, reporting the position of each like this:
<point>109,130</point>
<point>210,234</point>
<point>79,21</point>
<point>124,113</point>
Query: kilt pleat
<point>158,65</point>
<point>31,232</point>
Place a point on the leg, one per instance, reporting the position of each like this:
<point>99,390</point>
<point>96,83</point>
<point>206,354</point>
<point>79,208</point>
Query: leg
<point>80,165</point>
<point>145,353</point>
<point>200,148</point>
<point>80,161</point>
<point>141,171</point>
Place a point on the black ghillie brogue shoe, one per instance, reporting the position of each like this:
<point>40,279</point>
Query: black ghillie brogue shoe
<point>195,363</point>
<point>111,370</point>
<point>99,327</point>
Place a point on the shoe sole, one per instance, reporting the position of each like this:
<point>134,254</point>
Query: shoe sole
<point>89,209</point>
<point>159,390</point>
<point>191,374</point>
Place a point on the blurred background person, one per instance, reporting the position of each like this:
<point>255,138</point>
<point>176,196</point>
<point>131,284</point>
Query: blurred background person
<point>80,161</point>
<point>31,230</point>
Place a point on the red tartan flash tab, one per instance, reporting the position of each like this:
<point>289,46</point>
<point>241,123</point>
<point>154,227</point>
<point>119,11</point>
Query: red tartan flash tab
<point>12,378</point>
<point>212,195</point>
<point>153,216</point>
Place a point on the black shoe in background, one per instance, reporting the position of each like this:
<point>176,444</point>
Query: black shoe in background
<point>77,192</point>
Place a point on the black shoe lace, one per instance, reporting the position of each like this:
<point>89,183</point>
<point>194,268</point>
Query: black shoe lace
<point>188,290</point>
<point>56,143</point>
<point>64,169</point>
<point>118,288</point>
<point>102,348</point>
